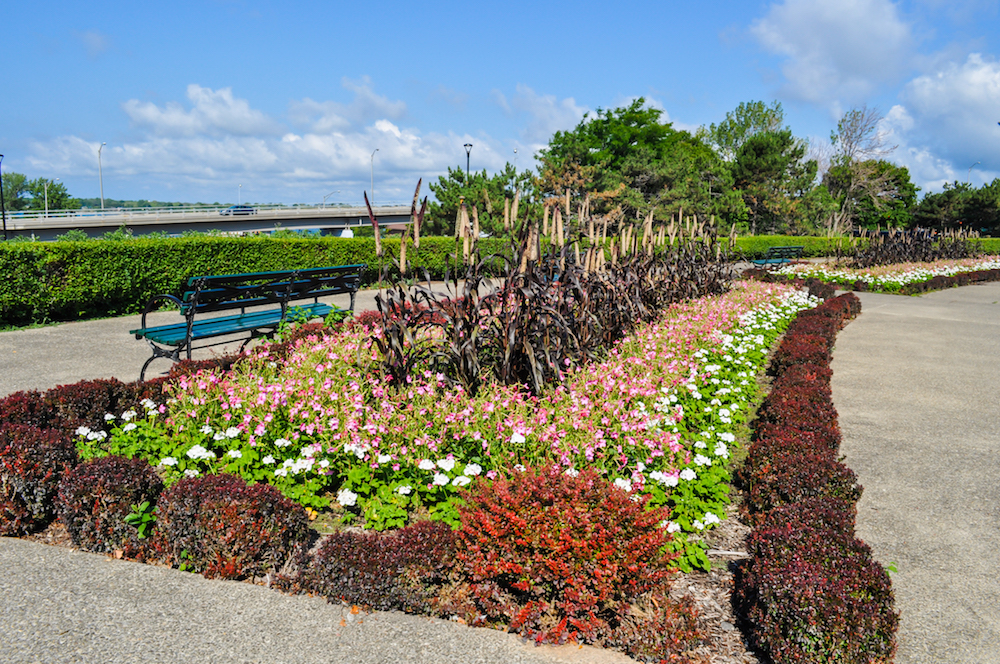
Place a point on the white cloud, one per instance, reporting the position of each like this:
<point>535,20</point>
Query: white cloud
<point>213,112</point>
<point>948,122</point>
<point>836,52</point>
<point>546,114</point>
<point>365,107</point>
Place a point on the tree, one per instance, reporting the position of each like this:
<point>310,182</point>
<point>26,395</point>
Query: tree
<point>773,177</point>
<point>58,197</point>
<point>959,206</point>
<point>747,120</point>
<point>15,189</point>
<point>854,176</point>
<point>627,160</point>
<point>891,206</point>
<point>480,190</point>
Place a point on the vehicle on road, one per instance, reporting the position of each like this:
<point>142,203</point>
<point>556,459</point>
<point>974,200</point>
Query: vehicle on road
<point>238,210</point>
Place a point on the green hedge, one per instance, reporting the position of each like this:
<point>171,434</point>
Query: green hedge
<point>755,246</point>
<point>62,281</point>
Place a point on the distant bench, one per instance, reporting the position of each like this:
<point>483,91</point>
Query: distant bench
<point>240,291</point>
<point>778,255</point>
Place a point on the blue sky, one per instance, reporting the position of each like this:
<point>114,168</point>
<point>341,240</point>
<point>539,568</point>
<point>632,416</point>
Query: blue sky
<point>289,99</point>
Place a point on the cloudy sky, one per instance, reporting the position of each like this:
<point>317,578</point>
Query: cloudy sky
<point>289,99</point>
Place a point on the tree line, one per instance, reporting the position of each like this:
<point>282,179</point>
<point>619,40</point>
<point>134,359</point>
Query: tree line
<point>749,170</point>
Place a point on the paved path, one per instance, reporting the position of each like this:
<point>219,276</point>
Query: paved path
<point>916,382</point>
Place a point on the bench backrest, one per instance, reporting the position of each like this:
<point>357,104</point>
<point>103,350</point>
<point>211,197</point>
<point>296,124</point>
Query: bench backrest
<point>238,291</point>
<point>783,252</point>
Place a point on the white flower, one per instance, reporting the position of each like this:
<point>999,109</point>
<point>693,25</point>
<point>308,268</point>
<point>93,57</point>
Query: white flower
<point>404,490</point>
<point>699,525</point>
<point>168,461</point>
<point>721,450</point>
<point>324,464</point>
<point>199,452</point>
<point>206,430</point>
<point>640,466</point>
<point>219,436</point>
<point>623,484</point>
<point>148,404</point>
<point>347,498</point>
<point>673,527</point>
<point>473,469</point>
<point>688,474</point>
<point>282,442</point>
<point>191,472</point>
<point>446,464</point>
<point>519,468</point>
<point>108,417</point>
<point>127,415</point>
<point>426,464</point>
<point>702,460</point>
<point>572,472</point>
<point>725,412</point>
<point>97,435</point>
<point>728,437</point>
<point>236,454</point>
<point>281,472</point>
<point>461,480</point>
<point>232,432</point>
<point>82,431</point>
<point>711,518</point>
<point>384,458</point>
<point>517,438</point>
<point>128,427</point>
<point>268,460</point>
<point>440,479</point>
<point>671,480</point>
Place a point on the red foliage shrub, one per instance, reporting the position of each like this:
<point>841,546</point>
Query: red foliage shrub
<point>219,525</point>
<point>802,409</point>
<point>32,461</point>
<point>789,478</point>
<point>772,436</point>
<point>816,595</point>
<point>800,349</point>
<point>400,570</point>
<point>764,452</point>
<point>29,408</point>
<point>658,629</point>
<point>817,326</point>
<point>810,375</point>
<point>817,512</point>
<point>556,557</point>
<point>96,496</point>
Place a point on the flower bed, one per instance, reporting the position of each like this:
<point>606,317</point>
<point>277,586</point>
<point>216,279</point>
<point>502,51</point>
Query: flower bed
<point>812,591</point>
<point>898,278</point>
<point>657,417</point>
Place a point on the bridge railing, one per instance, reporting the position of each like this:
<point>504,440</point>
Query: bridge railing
<point>180,211</point>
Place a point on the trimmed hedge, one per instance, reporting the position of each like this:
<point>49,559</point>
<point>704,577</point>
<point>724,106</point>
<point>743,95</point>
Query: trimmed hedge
<point>61,281</point>
<point>811,591</point>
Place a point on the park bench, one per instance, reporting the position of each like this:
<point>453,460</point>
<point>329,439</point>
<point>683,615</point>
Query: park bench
<point>778,256</point>
<point>210,294</point>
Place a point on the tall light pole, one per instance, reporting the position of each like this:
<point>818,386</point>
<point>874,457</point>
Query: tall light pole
<point>373,176</point>
<point>239,194</point>
<point>329,195</point>
<point>468,151</point>
<point>100,173</point>
<point>3,207</point>
<point>47,195</point>
<point>968,180</point>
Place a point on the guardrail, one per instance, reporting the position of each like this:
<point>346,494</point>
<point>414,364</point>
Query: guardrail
<point>159,212</point>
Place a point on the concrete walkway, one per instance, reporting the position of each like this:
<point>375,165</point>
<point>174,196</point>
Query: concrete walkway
<point>916,382</point>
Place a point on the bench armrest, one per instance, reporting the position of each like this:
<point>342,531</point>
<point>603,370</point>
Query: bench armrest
<point>149,306</point>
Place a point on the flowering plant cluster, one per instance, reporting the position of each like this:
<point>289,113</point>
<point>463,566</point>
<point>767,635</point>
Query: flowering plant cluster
<point>812,591</point>
<point>889,278</point>
<point>658,416</point>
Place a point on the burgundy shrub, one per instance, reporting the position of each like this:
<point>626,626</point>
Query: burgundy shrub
<point>32,461</point>
<point>219,525</point>
<point>789,478</point>
<point>97,496</point>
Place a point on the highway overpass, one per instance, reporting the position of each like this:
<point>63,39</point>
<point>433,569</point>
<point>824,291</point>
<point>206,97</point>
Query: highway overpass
<point>248,219</point>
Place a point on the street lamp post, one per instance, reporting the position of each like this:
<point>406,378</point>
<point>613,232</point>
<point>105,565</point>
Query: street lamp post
<point>468,151</point>
<point>968,180</point>
<point>373,177</point>
<point>329,195</point>
<point>100,173</point>
<point>239,194</point>
<point>3,207</point>
<point>47,196</point>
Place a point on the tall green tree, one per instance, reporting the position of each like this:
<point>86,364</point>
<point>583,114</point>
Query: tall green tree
<point>58,196</point>
<point>486,193</point>
<point>773,176</point>
<point>15,192</point>
<point>626,158</point>
<point>741,124</point>
<point>960,206</point>
<point>891,205</point>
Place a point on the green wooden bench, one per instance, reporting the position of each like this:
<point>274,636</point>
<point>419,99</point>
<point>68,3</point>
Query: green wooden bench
<point>778,256</point>
<point>210,294</point>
